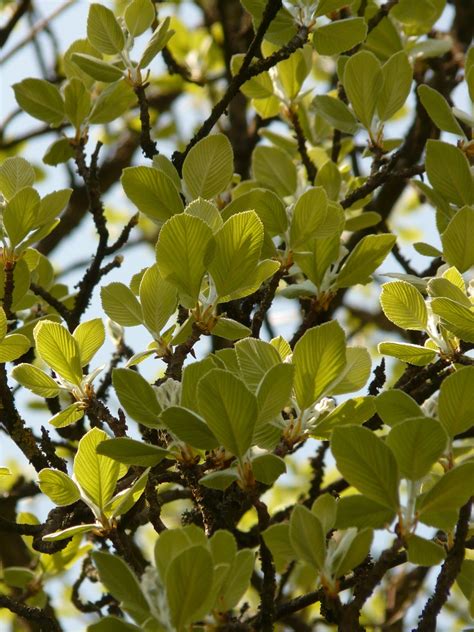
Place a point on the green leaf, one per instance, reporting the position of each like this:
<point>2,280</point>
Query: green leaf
<point>353,411</point>
<point>119,580</point>
<point>112,102</point>
<point>439,110</point>
<point>3,325</point>
<point>325,509</point>
<point>152,192</point>
<point>444,288</point>
<point>255,358</point>
<point>403,304</point>
<point>407,352</point>
<point>97,68</point>
<point>121,305</point>
<point>103,30</point>
<point>137,397</point>
<point>367,464</point>
<point>336,113</point>
<point>312,218</point>
<point>229,408</point>
<point>267,468</point>
<point>319,357</point>
<point>363,82</point>
<point>58,151</point>
<point>293,71</point>
<point>359,511</point>
<point>209,166</point>
<point>189,427</point>
<point>131,452</point>
<point>20,214</point>
<point>58,487</point>
<point>237,580</point>
<point>67,416</point>
<point>274,169</point>
<point>90,336</point>
<point>424,552</point>
<point>230,329</point>
<point>158,299</point>
<point>277,539</point>
<point>356,372</point>
<point>53,204</point>
<point>220,480</point>
<point>13,347</point>
<point>237,252</point>
<point>351,550</point>
<point>57,347</point>
<point>162,163</point>
<point>207,211</point>
<point>366,257</point>
<point>455,317</point>
<point>266,204</point>
<point>172,542</point>
<point>449,173</point>
<point>339,36</point>
<point>124,500</point>
<point>15,174</point>
<point>40,99</point>
<point>394,406</point>
<point>451,491</point>
<point>417,445</point>
<point>96,474</point>
<point>397,76</point>
<point>35,380</point>
<point>65,534</point>
<point>307,537</point>
<point>157,42</point>
<point>457,245</point>
<point>139,15</point>
<point>456,401</point>
<point>427,250</point>
<point>328,6</point>
<point>274,392</point>
<point>182,253</point>
<point>112,624</point>
<point>77,102</point>
<point>188,583</point>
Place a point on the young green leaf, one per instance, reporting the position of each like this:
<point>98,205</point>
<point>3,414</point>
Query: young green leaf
<point>397,77</point>
<point>274,169</point>
<point>96,474</point>
<point>15,174</point>
<point>189,427</point>
<point>137,397</point>
<point>424,552</point>
<point>404,305</point>
<point>355,373</point>
<point>90,336</point>
<point>112,102</point>
<point>103,30</point>
<point>395,406</point>
<point>207,211</point>
<point>267,468</point>
<point>58,487</point>
<point>451,491</point>
<point>184,247</point>
<point>237,252</point>
<point>351,550</point>
<point>121,305</point>
<point>208,168</point>
<point>41,99</point>
<point>367,464</point>
<point>306,537</point>
<point>20,214</point>
<point>339,36</point>
<point>158,299</point>
<point>407,352</point>
<point>363,81</point>
<point>455,317</point>
<point>131,452</point>
<point>139,15</point>
<point>152,192</point>
<point>157,42</point>
<point>266,204</point>
<point>13,347</point>
<point>359,511</point>
<point>449,173</point>
<point>96,68</point>
<point>57,347</point>
<point>417,444</point>
<point>229,408</point>
<point>67,416</point>
<point>36,380</point>
<point>119,580</point>
<point>366,257</point>
<point>438,110</point>
<point>319,358</point>
<point>77,102</point>
<point>456,240</point>
<point>336,113</point>
<point>456,401</point>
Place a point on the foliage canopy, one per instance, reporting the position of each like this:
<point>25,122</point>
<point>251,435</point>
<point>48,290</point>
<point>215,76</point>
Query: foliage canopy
<point>196,468</point>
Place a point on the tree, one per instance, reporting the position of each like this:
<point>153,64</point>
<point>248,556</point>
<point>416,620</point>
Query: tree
<point>158,460</point>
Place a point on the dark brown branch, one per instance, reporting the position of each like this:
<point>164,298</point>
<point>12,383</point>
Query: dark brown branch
<point>268,587</point>
<point>148,145</point>
<point>266,302</point>
<point>310,167</point>
<point>5,32</point>
<point>62,310</point>
<point>448,573</point>
<point>29,613</point>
